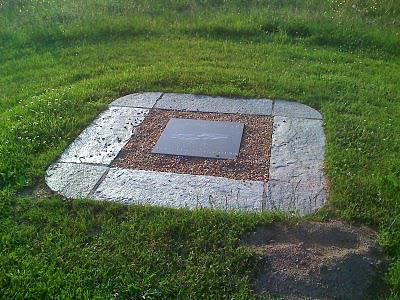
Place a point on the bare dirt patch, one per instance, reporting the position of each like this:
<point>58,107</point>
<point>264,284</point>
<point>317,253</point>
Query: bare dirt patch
<point>316,261</point>
<point>251,164</point>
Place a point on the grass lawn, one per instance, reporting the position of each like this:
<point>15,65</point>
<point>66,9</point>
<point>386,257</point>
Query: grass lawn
<point>63,61</point>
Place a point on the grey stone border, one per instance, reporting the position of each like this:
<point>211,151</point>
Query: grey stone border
<point>296,184</point>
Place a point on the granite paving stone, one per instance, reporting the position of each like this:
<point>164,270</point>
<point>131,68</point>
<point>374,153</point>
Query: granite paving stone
<point>296,142</point>
<point>74,180</point>
<point>143,100</point>
<point>296,165</point>
<point>295,110</point>
<point>180,190</point>
<point>301,195</point>
<point>202,103</point>
<point>101,141</point>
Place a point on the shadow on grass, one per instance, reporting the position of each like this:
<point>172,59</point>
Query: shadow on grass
<point>320,35</point>
<point>49,38</point>
<point>325,35</point>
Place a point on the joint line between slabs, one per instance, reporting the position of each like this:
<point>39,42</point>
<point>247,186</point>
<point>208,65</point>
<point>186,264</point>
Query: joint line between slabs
<point>127,106</point>
<point>109,166</point>
<point>93,190</point>
<point>158,99</point>
<point>83,163</point>
<point>273,108</point>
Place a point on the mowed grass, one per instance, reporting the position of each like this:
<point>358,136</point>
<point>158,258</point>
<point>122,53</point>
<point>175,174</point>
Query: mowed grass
<point>62,62</point>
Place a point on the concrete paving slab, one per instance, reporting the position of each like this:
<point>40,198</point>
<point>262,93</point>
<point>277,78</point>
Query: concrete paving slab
<point>101,142</point>
<point>74,180</point>
<point>180,190</point>
<point>143,100</point>
<point>295,110</point>
<point>202,103</point>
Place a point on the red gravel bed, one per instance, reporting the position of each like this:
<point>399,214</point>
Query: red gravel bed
<point>251,164</point>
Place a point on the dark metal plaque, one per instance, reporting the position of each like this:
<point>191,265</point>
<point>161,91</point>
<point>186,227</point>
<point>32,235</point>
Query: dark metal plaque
<point>200,138</point>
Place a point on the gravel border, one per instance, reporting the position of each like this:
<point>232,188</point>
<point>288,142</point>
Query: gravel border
<point>251,164</point>
<point>296,180</point>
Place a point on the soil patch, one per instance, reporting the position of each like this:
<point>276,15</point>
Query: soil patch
<point>317,261</point>
<point>251,164</point>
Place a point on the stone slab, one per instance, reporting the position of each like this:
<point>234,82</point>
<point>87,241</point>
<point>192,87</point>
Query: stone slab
<point>296,175</point>
<point>295,110</point>
<point>297,145</point>
<point>296,165</point>
<point>200,138</point>
<point>101,141</point>
<point>202,103</point>
<point>143,100</point>
<point>301,196</point>
<point>180,190</point>
<point>74,180</point>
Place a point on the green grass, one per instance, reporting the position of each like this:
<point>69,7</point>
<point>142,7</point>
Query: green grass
<point>92,250</point>
<point>62,62</point>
